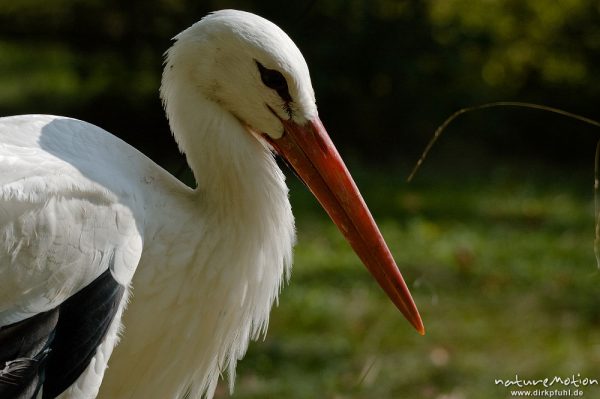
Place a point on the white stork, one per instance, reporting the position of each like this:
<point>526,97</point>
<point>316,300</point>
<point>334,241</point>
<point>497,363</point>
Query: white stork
<point>89,224</point>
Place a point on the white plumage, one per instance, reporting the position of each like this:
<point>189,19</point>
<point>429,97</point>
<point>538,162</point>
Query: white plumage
<point>202,267</point>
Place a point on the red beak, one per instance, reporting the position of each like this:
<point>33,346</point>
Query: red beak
<point>309,151</point>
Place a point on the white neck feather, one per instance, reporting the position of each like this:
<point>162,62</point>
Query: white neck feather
<point>213,262</point>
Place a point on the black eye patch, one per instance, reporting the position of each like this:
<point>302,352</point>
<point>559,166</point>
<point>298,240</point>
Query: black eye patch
<point>274,80</point>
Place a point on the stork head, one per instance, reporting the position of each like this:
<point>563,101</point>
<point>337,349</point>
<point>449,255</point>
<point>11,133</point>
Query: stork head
<point>252,69</point>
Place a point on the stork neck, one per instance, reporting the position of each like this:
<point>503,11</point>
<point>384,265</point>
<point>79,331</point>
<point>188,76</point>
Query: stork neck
<point>230,164</point>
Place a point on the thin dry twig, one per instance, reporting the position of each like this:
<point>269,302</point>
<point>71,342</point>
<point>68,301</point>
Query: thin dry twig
<point>443,126</point>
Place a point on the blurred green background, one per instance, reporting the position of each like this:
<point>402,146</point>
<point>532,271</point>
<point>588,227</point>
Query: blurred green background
<point>494,237</point>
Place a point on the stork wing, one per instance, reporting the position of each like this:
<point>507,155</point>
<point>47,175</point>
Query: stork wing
<point>64,214</point>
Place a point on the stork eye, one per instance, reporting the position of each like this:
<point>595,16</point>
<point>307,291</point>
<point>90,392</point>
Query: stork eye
<point>274,80</point>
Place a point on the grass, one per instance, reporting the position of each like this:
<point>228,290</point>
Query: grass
<point>502,267</point>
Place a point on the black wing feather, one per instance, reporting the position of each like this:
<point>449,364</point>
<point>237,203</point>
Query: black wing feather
<point>24,348</point>
<point>53,348</point>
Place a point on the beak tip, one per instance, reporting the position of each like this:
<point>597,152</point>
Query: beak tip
<point>417,323</point>
<point>409,310</point>
<point>420,329</point>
